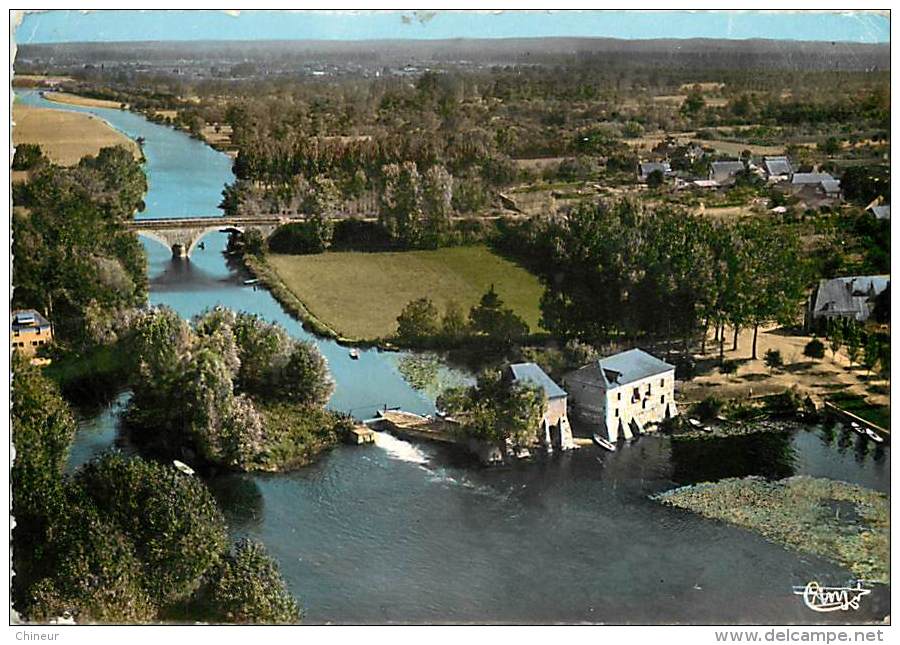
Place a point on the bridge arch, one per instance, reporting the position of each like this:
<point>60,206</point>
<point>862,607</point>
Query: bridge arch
<point>151,235</point>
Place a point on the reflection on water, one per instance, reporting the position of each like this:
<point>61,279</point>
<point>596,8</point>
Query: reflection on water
<point>765,454</point>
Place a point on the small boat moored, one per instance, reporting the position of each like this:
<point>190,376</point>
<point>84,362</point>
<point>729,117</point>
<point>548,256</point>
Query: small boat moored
<point>354,354</point>
<point>183,467</point>
<point>251,281</point>
<point>603,443</point>
<point>874,436</point>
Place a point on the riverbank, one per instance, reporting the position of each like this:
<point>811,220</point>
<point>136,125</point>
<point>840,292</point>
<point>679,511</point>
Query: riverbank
<point>842,522</point>
<point>83,101</point>
<point>260,269</point>
<point>65,136</point>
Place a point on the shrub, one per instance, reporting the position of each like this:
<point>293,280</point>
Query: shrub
<point>708,408</point>
<point>773,359</point>
<point>788,403</point>
<point>814,349</point>
<point>728,367</point>
<point>247,588</point>
<point>300,238</point>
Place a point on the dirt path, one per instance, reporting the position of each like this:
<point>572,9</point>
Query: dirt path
<point>815,376</point>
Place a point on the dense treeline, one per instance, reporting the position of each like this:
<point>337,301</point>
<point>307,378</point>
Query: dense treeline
<point>73,258</point>
<point>622,270</point>
<point>81,551</point>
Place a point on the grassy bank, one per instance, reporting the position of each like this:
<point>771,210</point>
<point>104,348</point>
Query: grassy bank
<point>360,295</point>
<point>880,415</point>
<point>841,522</point>
<point>66,137</point>
<point>298,434</point>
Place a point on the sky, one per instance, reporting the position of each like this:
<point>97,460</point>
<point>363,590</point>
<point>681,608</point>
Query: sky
<point>115,25</point>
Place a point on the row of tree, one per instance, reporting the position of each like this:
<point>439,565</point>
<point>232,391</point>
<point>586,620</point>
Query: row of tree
<point>489,322</point>
<point>123,540</point>
<point>620,269</point>
<point>863,347</point>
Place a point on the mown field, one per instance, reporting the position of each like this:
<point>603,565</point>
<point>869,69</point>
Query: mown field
<point>65,137</point>
<point>361,294</point>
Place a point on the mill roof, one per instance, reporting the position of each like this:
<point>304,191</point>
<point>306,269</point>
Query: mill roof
<point>532,373</point>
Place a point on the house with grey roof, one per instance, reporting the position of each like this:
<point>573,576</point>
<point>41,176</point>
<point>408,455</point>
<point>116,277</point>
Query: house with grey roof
<point>815,186</point>
<point>881,211</point>
<point>724,172</point>
<point>28,331</point>
<point>624,394</point>
<point>646,168</point>
<point>555,431</point>
<point>777,168</point>
<point>849,297</point>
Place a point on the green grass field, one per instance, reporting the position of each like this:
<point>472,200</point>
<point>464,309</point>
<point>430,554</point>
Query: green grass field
<point>361,294</point>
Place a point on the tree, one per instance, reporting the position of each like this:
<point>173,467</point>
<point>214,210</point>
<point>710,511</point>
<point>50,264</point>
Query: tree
<point>453,323</point>
<point>853,341</point>
<point>42,431</point>
<point>27,156</point>
<point>305,378</point>
<point>815,348</point>
<point>400,203</point>
<point>831,146</point>
<point>437,203</point>
<point>655,179</point>
<point>497,410</point>
<point>881,311</point>
<point>871,352</point>
<point>495,322</point>
<point>884,358</point>
<point>248,588</point>
<point>773,359</point>
<point>693,103</point>
<point>835,335</point>
<point>418,322</point>
<point>90,570</point>
<point>71,247</point>
<point>773,284</point>
<point>263,348</point>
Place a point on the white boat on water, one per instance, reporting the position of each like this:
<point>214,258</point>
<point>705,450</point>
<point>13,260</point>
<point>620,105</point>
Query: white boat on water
<point>874,436</point>
<point>354,354</point>
<point>183,467</point>
<point>251,281</point>
<point>603,443</point>
<point>695,423</point>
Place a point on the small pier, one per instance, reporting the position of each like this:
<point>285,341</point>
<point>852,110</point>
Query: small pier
<point>359,435</point>
<point>408,424</point>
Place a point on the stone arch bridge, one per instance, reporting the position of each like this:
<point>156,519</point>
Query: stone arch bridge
<point>182,234</point>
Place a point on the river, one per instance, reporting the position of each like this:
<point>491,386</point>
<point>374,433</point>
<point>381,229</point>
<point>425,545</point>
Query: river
<point>402,532</point>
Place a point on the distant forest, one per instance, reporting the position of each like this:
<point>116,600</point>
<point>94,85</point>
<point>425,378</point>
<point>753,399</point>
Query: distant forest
<point>696,54</point>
